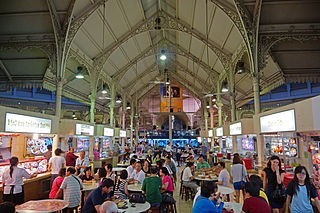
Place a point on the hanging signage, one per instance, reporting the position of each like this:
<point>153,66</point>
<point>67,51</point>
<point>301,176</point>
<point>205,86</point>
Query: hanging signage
<point>235,129</point>
<point>123,133</point>
<point>84,129</point>
<point>108,132</point>
<point>23,123</point>
<point>278,122</point>
<point>219,131</point>
<point>210,133</point>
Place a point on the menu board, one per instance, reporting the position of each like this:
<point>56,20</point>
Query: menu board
<point>278,122</point>
<point>38,146</point>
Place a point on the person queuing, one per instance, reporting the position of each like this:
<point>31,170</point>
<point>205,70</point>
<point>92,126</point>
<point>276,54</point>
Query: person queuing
<point>82,162</point>
<point>71,157</point>
<point>273,175</point>
<point>137,175</point>
<point>188,178</point>
<point>98,196</point>
<point>300,191</point>
<point>71,188</point>
<point>202,165</point>
<point>57,183</point>
<point>151,187</point>
<point>12,182</point>
<point>208,202</point>
<point>55,164</point>
<point>253,202</point>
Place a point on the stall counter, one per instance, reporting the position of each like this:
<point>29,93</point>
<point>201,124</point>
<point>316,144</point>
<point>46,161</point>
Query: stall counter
<point>35,188</point>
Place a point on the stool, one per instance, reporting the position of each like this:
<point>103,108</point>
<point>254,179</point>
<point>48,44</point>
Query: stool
<point>155,209</point>
<point>171,208</point>
<point>185,192</point>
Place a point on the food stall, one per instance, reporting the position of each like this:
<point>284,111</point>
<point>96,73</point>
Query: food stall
<point>76,134</point>
<point>26,135</point>
<point>224,141</point>
<point>244,140</point>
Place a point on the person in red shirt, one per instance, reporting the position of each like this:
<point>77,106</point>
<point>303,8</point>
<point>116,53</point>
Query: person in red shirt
<point>71,158</point>
<point>253,202</point>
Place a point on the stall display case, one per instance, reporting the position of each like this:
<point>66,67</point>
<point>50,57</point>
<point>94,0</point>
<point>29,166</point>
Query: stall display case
<point>83,143</point>
<point>102,146</point>
<point>38,146</point>
<point>36,165</point>
<point>226,144</point>
<point>285,145</point>
<point>5,148</point>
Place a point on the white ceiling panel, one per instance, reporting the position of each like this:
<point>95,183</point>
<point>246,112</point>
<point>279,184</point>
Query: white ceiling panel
<point>131,48</point>
<point>118,58</point>
<point>133,11</point>
<point>109,68</point>
<point>220,28</point>
<point>186,10</point>
<point>84,44</point>
<point>234,41</point>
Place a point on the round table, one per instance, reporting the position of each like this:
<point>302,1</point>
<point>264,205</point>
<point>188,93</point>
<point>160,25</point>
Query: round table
<point>139,207</point>
<point>135,187</point>
<point>123,164</point>
<point>205,178</point>
<point>225,190</point>
<point>89,186</point>
<point>118,169</point>
<point>42,206</point>
<point>237,207</point>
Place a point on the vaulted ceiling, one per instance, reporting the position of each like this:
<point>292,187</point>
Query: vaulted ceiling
<point>203,41</point>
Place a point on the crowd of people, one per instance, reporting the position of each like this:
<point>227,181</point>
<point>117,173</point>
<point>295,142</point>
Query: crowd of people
<point>157,174</point>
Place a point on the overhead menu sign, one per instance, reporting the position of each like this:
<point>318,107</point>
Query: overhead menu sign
<point>210,133</point>
<point>123,133</point>
<point>84,129</point>
<point>278,122</point>
<point>108,132</point>
<point>219,131</point>
<point>23,123</point>
<point>235,129</point>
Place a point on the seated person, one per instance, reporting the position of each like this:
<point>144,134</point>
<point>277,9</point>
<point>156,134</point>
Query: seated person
<point>121,186</point>
<point>167,182</point>
<point>202,165</point>
<point>130,168</point>
<point>187,178</point>
<point>207,201</point>
<point>101,173</point>
<point>151,187</point>
<point>137,175</point>
<point>7,207</point>
<point>253,202</point>
<point>190,157</point>
<point>224,176</point>
<point>87,177</point>
<point>108,207</point>
<point>257,181</point>
<point>98,196</point>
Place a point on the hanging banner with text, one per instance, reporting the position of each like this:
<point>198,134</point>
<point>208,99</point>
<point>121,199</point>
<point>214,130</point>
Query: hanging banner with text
<point>171,98</point>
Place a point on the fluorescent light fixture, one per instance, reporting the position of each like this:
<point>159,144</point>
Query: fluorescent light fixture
<point>118,101</point>
<point>163,57</point>
<point>73,114</point>
<point>208,106</point>
<point>224,87</point>
<point>79,76</point>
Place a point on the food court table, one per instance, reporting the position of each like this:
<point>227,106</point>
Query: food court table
<point>237,207</point>
<point>225,190</point>
<point>87,187</point>
<point>42,206</point>
<point>135,187</point>
<point>206,178</point>
<point>123,164</point>
<point>138,207</point>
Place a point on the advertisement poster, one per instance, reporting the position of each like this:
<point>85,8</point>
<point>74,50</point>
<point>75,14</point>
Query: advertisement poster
<point>171,98</point>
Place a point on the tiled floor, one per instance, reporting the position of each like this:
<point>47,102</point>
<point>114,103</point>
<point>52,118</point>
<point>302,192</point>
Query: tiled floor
<point>182,205</point>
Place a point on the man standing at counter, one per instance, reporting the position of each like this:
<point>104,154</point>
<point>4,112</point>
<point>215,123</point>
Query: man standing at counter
<point>71,157</point>
<point>55,164</point>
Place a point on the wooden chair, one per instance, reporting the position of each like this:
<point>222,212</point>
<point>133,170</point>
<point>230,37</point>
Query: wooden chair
<point>171,208</point>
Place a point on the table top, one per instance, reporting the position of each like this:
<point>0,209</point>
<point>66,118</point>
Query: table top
<point>135,187</point>
<point>225,190</point>
<point>123,164</point>
<point>90,186</point>
<point>42,206</point>
<point>237,207</point>
<point>118,169</point>
<point>206,178</point>
<point>139,207</point>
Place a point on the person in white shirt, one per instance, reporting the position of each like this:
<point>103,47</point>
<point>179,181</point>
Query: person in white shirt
<point>137,175</point>
<point>168,147</point>
<point>224,176</point>
<point>130,168</point>
<point>187,178</point>
<point>13,183</point>
<point>82,162</point>
<point>55,164</point>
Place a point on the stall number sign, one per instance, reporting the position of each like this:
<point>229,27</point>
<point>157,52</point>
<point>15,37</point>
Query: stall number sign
<point>23,123</point>
<point>108,132</point>
<point>84,129</point>
<point>219,131</point>
<point>210,133</point>
<point>236,129</point>
<point>278,122</point>
<point>123,134</point>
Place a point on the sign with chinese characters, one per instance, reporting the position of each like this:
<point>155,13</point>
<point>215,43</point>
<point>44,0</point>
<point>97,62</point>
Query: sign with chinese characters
<point>123,133</point>
<point>219,131</point>
<point>278,122</point>
<point>210,133</point>
<point>108,132</point>
<point>84,129</point>
<point>23,123</point>
<point>235,129</point>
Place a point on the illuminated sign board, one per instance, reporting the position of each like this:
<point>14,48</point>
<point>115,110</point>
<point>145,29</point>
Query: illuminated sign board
<point>278,122</point>
<point>23,123</point>
<point>84,129</point>
<point>219,131</point>
<point>235,129</point>
<point>123,133</point>
<point>108,132</point>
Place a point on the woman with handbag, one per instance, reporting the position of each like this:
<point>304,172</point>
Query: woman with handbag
<point>239,176</point>
<point>300,191</point>
<point>273,177</point>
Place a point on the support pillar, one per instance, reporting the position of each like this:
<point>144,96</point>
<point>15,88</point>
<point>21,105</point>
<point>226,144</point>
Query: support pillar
<point>219,104</point>
<point>170,128</point>
<point>131,125</point>
<point>256,94</point>
<point>92,106</point>
<point>112,104</point>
